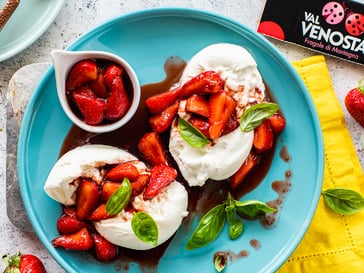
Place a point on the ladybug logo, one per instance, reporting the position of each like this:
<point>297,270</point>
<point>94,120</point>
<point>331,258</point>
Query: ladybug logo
<point>354,24</point>
<point>333,12</point>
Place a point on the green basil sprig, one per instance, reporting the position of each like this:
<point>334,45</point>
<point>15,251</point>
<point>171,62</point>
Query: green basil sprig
<point>120,198</point>
<point>256,114</point>
<point>343,201</point>
<point>145,228</point>
<point>191,134</point>
<point>213,222</point>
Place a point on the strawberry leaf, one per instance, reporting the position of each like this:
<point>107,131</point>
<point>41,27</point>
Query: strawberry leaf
<point>256,114</point>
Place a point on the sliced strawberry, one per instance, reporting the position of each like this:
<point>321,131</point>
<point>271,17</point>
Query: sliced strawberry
<point>108,188</point>
<point>104,250</point>
<point>263,137</point>
<point>162,122</point>
<point>87,198</point>
<point>250,162</point>
<point>201,125</point>
<point>98,86</point>
<point>158,103</point>
<point>221,108</point>
<point>277,123</point>
<point>91,107</point>
<point>152,149</point>
<point>80,240</point>
<point>118,101</point>
<point>231,125</point>
<point>204,83</point>
<point>100,213</point>
<point>140,184</point>
<point>160,177</point>
<point>198,105</point>
<point>111,72</point>
<point>67,224</point>
<point>121,171</point>
<point>81,73</point>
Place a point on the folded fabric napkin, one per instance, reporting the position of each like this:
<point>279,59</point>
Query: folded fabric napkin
<point>333,242</point>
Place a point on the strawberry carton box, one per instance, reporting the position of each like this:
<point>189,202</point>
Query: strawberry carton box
<point>331,27</point>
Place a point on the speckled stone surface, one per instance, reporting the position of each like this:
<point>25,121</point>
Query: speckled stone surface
<point>79,16</point>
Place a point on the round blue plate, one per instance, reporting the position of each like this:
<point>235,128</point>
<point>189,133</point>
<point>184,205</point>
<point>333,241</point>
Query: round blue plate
<point>146,39</point>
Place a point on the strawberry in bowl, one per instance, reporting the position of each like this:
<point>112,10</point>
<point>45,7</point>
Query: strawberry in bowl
<point>98,91</point>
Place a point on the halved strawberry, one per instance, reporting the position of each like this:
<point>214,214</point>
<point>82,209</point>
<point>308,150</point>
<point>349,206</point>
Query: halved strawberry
<point>87,198</point>
<point>221,108</point>
<point>204,83</point>
<point>67,224</point>
<point>250,162</point>
<point>98,86</point>
<point>162,122</point>
<point>100,213</point>
<point>197,104</point>
<point>81,73</point>
<point>111,72</point>
<point>104,250</point>
<point>158,103</point>
<point>118,101</point>
<point>263,137</point>
<point>121,171</point>
<point>200,124</point>
<point>277,123</point>
<point>139,184</point>
<point>152,149</point>
<point>108,188</point>
<point>80,240</point>
<point>160,177</point>
<point>91,107</point>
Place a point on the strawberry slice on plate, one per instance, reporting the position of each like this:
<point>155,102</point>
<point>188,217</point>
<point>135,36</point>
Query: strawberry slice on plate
<point>207,82</point>
<point>162,122</point>
<point>152,149</point>
<point>160,177</point>
<point>87,197</point>
<point>158,103</point>
<point>221,108</point>
<point>80,240</point>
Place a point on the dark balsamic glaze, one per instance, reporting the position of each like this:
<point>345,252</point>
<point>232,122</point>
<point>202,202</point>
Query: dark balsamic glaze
<point>201,199</point>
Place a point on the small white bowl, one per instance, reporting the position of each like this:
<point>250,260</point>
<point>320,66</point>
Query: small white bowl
<point>63,62</point>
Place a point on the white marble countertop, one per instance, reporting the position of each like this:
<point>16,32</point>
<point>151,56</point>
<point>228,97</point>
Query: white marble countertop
<point>79,16</point>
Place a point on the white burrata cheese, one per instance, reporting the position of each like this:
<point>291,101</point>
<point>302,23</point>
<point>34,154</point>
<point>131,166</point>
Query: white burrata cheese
<point>222,158</point>
<point>167,209</point>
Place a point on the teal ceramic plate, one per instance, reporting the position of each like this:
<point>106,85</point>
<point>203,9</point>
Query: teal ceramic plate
<point>146,39</point>
<point>30,20</point>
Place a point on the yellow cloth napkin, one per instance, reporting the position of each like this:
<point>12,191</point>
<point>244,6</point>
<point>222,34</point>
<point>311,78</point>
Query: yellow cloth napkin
<point>333,243</point>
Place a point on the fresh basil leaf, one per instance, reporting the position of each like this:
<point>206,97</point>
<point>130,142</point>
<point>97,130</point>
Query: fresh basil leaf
<point>145,228</point>
<point>220,261</point>
<point>252,209</point>
<point>235,229</point>
<point>256,114</point>
<point>120,198</point>
<point>343,201</point>
<point>209,227</point>
<point>235,224</point>
<point>191,135</point>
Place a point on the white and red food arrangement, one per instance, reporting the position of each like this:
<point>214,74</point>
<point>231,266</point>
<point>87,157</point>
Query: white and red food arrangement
<point>219,123</point>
